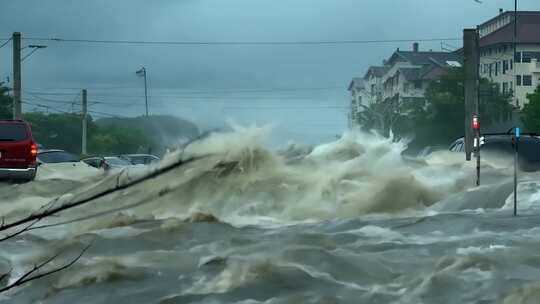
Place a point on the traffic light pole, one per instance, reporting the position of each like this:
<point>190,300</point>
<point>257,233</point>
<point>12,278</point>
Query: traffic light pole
<point>479,144</point>
<point>516,162</point>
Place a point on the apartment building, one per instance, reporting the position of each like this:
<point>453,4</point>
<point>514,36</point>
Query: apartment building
<point>409,73</point>
<point>519,72</point>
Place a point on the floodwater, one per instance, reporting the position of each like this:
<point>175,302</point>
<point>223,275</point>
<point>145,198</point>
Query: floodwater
<point>350,221</point>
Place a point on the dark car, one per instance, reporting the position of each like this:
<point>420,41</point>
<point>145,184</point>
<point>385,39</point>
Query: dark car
<point>54,156</point>
<point>503,145</point>
<point>17,151</point>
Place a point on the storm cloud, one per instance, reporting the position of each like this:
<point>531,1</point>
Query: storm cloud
<point>65,65</point>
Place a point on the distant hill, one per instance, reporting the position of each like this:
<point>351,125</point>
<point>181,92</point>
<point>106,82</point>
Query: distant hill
<point>164,130</point>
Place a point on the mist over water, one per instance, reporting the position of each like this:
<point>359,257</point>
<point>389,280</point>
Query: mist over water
<point>349,221</point>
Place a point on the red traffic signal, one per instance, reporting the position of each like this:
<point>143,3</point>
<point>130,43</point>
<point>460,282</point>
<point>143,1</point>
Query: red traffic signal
<point>475,123</point>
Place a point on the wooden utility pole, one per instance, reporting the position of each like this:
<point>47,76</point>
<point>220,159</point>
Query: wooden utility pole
<point>84,119</point>
<point>471,63</point>
<point>17,109</point>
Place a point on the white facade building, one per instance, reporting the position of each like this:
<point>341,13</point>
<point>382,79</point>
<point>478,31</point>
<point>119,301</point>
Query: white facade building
<point>373,80</point>
<point>520,73</point>
<point>360,98</point>
<point>410,72</point>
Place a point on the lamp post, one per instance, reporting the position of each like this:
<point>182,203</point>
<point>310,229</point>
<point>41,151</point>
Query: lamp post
<point>142,72</point>
<point>35,47</point>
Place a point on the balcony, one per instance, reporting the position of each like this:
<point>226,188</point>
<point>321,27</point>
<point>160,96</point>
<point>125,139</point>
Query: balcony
<point>535,66</point>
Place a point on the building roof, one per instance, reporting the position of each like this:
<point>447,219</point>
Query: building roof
<point>356,83</point>
<point>427,58</point>
<point>510,13</point>
<point>528,31</point>
<point>377,71</point>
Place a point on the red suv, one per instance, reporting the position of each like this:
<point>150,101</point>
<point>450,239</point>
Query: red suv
<point>18,151</point>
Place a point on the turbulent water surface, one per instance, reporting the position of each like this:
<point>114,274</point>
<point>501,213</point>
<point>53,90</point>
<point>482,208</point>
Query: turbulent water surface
<point>351,221</point>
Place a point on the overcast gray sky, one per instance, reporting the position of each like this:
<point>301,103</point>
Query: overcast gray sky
<point>178,74</point>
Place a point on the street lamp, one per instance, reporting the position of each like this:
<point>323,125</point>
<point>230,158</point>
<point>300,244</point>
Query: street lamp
<point>35,47</point>
<point>142,72</point>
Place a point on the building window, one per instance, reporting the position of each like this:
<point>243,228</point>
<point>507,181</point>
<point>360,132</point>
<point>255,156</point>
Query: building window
<point>418,84</point>
<point>517,57</point>
<point>505,87</point>
<point>496,68</point>
<point>490,69</point>
<point>518,80</point>
<point>511,64</point>
<point>527,80</point>
<point>526,58</point>
<point>504,66</point>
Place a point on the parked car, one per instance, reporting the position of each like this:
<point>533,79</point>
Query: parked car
<point>502,145</point>
<point>54,156</point>
<point>140,159</point>
<point>430,149</point>
<point>107,162</point>
<point>17,151</point>
<point>96,162</point>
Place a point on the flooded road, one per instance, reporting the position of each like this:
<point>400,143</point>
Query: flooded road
<point>351,221</point>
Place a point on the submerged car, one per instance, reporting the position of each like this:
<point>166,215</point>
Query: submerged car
<point>503,145</point>
<point>17,151</point>
<point>140,159</point>
<point>55,156</point>
<point>107,162</point>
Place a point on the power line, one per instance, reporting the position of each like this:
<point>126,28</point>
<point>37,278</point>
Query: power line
<point>285,108</point>
<point>252,43</point>
<point>223,102</point>
<point>46,107</point>
<point>234,91</point>
<point>107,114</point>
<point>5,43</point>
<point>33,95</point>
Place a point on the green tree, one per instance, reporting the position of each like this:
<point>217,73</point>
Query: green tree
<point>117,140</point>
<point>64,131</point>
<point>531,112</point>
<point>441,119</point>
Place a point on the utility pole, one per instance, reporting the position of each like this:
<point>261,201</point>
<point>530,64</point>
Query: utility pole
<point>515,51</point>
<point>142,72</point>
<point>471,63</point>
<point>517,130</point>
<point>17,109</point>
<point>84,119</point>
<point>145,93</point>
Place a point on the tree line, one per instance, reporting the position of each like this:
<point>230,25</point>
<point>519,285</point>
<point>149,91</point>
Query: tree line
<point>106,135</point>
